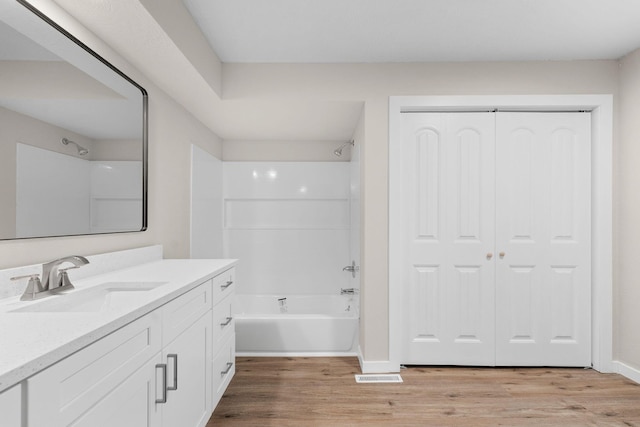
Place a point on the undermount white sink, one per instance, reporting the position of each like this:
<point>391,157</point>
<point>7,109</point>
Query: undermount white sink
<point>97,298</point>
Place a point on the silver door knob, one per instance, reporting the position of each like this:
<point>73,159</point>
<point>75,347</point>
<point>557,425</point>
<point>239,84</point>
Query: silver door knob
<point>489,255</point>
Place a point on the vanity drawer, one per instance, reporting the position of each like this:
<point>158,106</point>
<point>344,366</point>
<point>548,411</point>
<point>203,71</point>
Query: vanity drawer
<point>223,322</point>
<point>183,311</point>
<point>224,284</point>
<point>224,367</point>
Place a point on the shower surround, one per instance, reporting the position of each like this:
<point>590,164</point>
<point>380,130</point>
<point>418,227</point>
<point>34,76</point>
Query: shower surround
<point>289,224</point>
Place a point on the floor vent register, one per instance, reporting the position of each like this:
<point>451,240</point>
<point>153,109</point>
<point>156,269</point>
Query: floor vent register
<point>378,378</point>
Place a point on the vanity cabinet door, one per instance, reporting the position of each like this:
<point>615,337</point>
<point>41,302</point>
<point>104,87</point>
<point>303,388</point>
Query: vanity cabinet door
<point>113,377</point>
<point>189,376</point>
<point>131,403</point>
<point>11,406</point>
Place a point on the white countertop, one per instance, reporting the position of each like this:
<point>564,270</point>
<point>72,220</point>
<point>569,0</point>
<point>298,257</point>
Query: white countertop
<point>33,341</point>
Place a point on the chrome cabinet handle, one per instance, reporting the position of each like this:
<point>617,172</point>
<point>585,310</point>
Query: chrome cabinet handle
<point>226,285</point>
<point>489,255</point>
<point>163,366</point>
<point>175,371</point>
<point>228,320</point>
<point>502,254</point>
<point>226,371</point>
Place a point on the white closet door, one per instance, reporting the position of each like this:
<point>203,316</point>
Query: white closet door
<point>448,198</point>
<point>543,222</point>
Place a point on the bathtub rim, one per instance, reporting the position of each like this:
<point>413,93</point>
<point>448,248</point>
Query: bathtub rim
<point>355,313</point>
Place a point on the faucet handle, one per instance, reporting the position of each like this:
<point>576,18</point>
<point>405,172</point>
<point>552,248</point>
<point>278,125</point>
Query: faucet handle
<point>27,276</point>
<point>353,268</point>
<point>63,279</point>
<point>33,287</point>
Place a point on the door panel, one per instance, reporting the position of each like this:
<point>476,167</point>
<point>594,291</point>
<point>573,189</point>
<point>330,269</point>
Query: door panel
<point>425,288</point>
<point>449,234</point>
<point>427,151</point>
<point>543,282</point>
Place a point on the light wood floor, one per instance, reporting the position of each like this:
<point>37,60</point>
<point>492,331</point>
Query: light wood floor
<point>323,392</point>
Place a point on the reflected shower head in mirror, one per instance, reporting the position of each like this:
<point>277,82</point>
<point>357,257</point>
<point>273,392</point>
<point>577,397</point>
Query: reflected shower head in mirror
<point>338,151</point>
<point>81,150</point>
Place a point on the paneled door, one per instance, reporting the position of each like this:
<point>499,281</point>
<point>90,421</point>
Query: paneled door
<point>449,203</point>
<point>543,239</point>
<point>496,231</point>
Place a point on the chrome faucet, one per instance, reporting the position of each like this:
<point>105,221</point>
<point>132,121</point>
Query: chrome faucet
<point>56,279</point>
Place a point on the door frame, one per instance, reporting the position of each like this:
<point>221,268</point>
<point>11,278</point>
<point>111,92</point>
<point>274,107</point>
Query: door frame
<point>601,109</point>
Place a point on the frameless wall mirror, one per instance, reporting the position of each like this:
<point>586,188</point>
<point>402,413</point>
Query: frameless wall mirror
<point>73,134</point>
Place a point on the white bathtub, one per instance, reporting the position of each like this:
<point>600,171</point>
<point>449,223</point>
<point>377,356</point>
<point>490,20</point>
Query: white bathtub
<point>305,325</point>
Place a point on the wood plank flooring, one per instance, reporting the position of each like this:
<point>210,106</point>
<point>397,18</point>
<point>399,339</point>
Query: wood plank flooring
<point>323,392</point>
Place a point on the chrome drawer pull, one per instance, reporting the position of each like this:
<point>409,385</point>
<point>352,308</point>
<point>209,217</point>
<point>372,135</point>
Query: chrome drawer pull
<point>175,371</point>
<point>226,371</point>
<point>228,320</point>
<point>163,366</point>
<point>226,285</point>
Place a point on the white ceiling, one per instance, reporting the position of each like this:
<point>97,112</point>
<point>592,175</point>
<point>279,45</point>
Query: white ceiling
<point>326,31</point>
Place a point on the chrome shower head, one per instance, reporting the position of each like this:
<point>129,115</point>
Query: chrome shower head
<point>338,151</point>
<point>81,150</point>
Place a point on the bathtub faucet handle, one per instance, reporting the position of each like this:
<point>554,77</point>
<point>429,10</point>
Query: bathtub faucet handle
<point>353,268</point>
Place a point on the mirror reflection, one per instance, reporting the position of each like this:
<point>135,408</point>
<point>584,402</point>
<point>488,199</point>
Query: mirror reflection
<point>72,134</point>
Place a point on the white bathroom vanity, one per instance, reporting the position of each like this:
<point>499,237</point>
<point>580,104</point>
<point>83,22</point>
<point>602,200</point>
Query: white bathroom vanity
<point>147,345</point>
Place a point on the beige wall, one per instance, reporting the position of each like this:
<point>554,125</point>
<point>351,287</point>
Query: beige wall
<point>627,226</point>
<point>171,132</point>
<point>116,149</point>
<point>283,151</point>
<point>373,84</point>
<point>357,219</point>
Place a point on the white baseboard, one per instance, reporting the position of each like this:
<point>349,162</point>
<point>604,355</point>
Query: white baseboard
<point>375,367</point>
<point>625,370</point>
<point>295,354</point>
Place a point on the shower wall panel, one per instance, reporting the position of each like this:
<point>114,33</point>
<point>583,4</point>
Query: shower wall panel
<point>289,224</point>
<point>58,194</point>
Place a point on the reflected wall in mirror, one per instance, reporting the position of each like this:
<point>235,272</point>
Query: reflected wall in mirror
<point>73,134</point>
